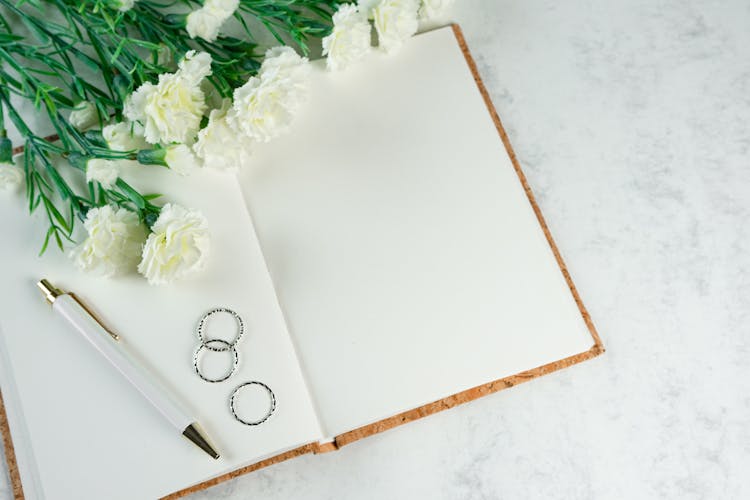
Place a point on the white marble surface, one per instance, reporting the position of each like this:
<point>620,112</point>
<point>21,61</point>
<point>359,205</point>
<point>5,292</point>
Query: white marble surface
<point>631,121</point>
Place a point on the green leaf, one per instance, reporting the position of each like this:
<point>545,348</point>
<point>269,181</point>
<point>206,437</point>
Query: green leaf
<point>55,213</point>
<point>7,38</point>
<point>88,61</point>
<point>132,194</point>
<point>118,50</point>
<point>46,240</point>
<point>59,240</point>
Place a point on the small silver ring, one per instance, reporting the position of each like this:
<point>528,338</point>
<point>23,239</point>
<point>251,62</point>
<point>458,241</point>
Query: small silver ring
<point>206,345</point>
<point>271,396</point>
<point>229,345</point>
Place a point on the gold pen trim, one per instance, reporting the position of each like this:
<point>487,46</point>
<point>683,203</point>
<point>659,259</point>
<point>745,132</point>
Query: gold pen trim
<point>94,316</point>
<point>51,293</point>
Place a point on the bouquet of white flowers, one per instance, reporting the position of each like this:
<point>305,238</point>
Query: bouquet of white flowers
<point>165,88</point>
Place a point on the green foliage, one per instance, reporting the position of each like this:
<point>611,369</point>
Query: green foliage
<point>64,40</point>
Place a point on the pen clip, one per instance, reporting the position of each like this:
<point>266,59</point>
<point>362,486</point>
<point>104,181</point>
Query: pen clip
<point>96,318</point>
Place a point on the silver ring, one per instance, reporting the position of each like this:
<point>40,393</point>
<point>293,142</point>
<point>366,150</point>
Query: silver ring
<point>229,347</point>
<point>271,396</point>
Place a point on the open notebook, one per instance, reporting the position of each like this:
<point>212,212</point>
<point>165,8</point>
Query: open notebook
<point>387,258</point>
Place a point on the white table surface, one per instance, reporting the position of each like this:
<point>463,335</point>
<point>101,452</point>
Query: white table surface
<point>630,119</point>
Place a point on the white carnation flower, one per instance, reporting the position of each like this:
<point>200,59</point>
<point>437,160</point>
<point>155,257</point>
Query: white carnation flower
<point>226,6</point>
<point>10,177</point>
<point>434,9</point>
<point>105,172</point>
<point>177,247</point>
<point>367,6</point>
<point>283,59</point>
<point>84,116</point>
<point>218,144</point>
<point>181,159</point>
<point>134,107</point>
<point>259,109</point>
<point>264,106</point>
<point>194,67</point>
<point>206,22</point>
<point>113,246</point>
<point>171,110</point>
<point>350,39</point>
<point>123,5</point>
<point>396,21</point>
<point>124,136</point>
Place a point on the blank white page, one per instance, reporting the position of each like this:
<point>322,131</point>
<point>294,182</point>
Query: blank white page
<point>77,424</point>
<point>404,251</point>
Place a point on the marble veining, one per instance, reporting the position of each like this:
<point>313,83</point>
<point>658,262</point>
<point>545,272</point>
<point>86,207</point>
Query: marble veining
<point>630,119</point>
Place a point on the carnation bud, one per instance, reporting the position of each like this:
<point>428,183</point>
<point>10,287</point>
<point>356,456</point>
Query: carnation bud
<point>176,20</point>
<point>177,157</point>
<point>78,160</point>
<point>96,137</point>
<point>84,115</point>
<point>156,156</point>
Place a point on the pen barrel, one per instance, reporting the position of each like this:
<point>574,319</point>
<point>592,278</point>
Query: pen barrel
<point>129,367</point>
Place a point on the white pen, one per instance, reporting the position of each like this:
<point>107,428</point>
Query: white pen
<point>106,342</point>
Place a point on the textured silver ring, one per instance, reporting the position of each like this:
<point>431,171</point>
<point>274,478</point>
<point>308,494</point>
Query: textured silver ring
<point>271,396</point>
<point>206,345</point>
<point>228,345</point>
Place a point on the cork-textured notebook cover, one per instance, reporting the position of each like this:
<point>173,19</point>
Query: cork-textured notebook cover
<point>416,413</point>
